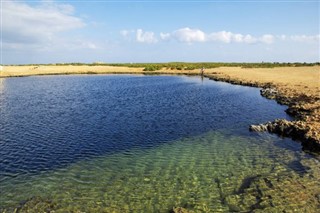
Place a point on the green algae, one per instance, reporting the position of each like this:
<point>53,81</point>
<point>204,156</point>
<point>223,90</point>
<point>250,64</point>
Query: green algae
<point>214,172</point>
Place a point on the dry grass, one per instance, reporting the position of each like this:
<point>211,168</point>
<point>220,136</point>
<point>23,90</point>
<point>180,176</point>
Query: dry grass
<point>9,71</point>
<point>298,79</point>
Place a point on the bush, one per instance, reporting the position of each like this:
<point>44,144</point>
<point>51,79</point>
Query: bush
<point>151,68</point>
<point>190,68</point>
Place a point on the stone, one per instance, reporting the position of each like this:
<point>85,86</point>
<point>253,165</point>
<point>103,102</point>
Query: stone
<point>258,128</point>
<point>269,93</point>
<point>297,130</point>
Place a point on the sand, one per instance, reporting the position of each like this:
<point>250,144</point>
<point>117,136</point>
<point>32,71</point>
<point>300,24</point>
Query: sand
<point>297,87</point>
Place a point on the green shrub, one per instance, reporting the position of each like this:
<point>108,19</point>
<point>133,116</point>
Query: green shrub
<point>151,68</point>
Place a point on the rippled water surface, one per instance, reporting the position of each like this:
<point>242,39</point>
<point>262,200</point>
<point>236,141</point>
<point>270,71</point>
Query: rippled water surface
<point>146,144</point>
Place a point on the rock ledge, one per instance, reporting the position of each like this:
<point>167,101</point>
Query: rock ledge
<point>297,130</point>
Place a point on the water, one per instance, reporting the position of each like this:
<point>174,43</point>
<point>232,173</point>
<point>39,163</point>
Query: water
<point>146,144</point>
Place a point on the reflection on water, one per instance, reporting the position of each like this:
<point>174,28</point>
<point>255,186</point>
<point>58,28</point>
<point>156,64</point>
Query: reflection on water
<point>146,144</point>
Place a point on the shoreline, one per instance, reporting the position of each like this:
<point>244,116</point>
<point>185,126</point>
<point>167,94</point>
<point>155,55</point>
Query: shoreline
<point>296,87</point>
<point>303,129</point>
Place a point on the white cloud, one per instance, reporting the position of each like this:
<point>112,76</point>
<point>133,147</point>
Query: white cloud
<point>165,36</point>
<point>222,36</point>
<point>188,35</point>
<point>124,33</point>
<point>305,38</point>
<point>145,37</point>
<point>268,39</point>
<point>24,25</point>
<point>249,39</point>
<point>127,33</point>
<point>281,37</point>
<point>238,37</point>
<point>228,37</point>
<point>299,38</point>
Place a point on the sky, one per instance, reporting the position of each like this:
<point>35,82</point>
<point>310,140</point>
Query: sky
<point>124,31</point>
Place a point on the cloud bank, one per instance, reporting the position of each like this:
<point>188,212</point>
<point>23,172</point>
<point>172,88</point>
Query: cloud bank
<point>145,37</point>
<point>189,36</point>
<point>36,23</point>
<point>39,26</point>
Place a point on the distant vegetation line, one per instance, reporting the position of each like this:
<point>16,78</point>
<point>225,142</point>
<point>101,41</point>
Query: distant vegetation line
<point>183,65</point>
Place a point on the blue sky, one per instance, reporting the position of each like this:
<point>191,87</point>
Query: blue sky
<point>159,31</point>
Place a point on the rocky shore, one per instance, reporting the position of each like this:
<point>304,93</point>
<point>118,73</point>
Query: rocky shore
<point>304,108</point>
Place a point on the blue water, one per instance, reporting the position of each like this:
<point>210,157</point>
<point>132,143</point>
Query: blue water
<point>50,122</point>
<point>142,143</point>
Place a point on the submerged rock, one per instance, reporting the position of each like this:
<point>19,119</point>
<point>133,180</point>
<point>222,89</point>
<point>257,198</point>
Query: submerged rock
<point>180,210</point>
<point>37,204</point>
<point>297,130</point>
<point>270,193</point>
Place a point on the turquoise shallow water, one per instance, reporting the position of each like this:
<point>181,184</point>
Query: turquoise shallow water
<point>214,172</point>
<point>146,144</point>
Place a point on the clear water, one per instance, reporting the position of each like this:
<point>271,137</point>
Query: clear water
<point>146,144</point>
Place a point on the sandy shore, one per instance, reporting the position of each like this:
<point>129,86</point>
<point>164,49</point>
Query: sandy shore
<point>297,87</point>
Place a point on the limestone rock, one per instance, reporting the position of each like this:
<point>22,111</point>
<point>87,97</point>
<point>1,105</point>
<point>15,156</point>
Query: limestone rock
<point>269,93</point>
<point>297,130</point>
<point>258,128</point>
